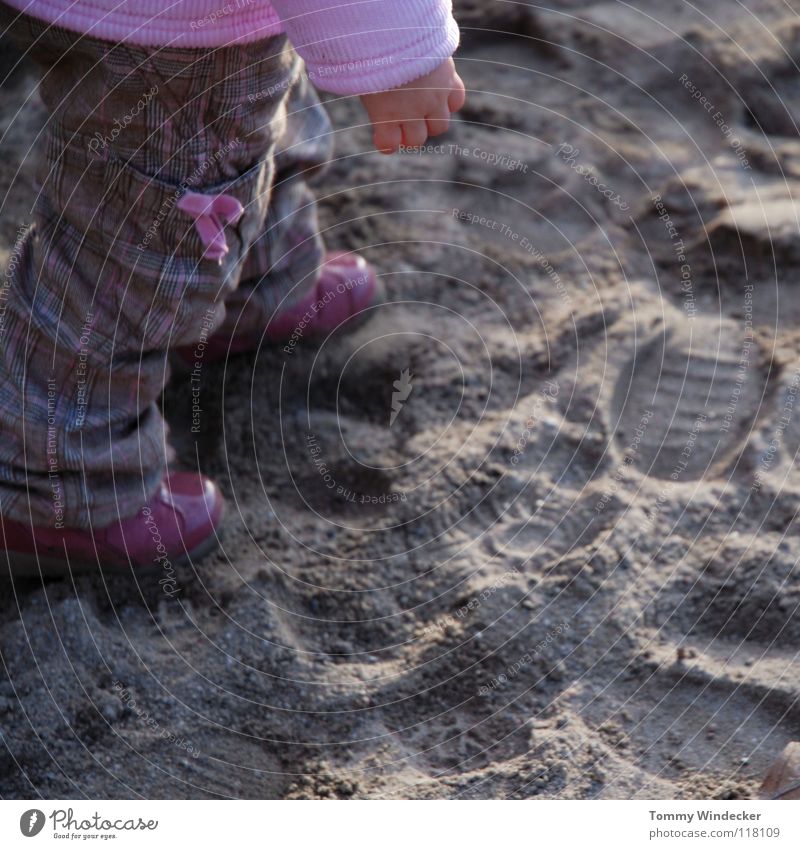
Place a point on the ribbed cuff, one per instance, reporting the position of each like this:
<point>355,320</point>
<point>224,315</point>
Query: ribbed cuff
<point>365,46</point>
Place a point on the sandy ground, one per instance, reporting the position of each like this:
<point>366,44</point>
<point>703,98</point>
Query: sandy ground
<point>567,568</point>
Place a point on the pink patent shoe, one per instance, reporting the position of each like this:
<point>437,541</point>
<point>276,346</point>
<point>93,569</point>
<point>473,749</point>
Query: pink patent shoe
<point>346,288</point>
<point>178,524</point>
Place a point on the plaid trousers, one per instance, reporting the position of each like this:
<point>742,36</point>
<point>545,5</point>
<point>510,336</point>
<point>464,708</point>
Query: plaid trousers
<point>113,271</point>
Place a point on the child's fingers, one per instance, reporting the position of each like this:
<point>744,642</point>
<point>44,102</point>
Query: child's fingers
<point>438,122</point>
<point>457,96</point>
<point>414,132</point>
<point>387,137</point>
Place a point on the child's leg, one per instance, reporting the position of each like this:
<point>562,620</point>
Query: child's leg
<point>288,280</point>
<point>284,262</point>
<point>115,270</point>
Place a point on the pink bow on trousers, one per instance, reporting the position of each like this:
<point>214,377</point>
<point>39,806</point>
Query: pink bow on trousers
<point>211,213</point>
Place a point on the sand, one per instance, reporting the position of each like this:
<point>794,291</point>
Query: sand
<point>562,563</point>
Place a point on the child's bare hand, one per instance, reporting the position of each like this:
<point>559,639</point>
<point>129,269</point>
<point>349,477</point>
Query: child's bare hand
<point>410,114</point>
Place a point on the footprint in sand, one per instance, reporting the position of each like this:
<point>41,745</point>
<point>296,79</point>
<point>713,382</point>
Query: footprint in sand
<point>687,400</point>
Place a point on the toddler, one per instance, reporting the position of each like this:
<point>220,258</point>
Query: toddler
<point>173,208</point>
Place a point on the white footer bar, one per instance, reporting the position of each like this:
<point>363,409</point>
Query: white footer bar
<point>401,825</point>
